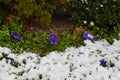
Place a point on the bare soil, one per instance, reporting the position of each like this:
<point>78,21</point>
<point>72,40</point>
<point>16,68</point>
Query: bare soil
<point>56,26</point>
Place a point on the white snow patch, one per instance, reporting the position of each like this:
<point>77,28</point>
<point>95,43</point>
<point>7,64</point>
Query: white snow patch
<point>73,64</point>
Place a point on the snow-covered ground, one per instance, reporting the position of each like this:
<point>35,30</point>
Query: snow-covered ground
<point>81,63</point>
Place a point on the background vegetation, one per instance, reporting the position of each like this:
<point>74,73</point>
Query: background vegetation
<point>101,18</point>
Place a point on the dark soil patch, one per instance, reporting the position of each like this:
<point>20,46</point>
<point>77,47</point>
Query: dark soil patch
<point>56,26</point>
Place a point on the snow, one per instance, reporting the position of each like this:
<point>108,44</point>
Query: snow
<point>82,63</point>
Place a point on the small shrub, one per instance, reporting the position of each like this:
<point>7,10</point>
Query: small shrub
<point>105,14</point>
<point>35,9</point>
<point>101,17</point>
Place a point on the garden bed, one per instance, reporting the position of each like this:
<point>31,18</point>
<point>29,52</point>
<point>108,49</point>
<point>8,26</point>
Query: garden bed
<point>94,61</point>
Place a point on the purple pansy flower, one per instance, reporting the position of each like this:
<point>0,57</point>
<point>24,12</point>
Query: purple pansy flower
<point>53,39</point>
<point>87,36</point>
<point>103,62</point>
<point>9,60</point>
<point>15,36</point>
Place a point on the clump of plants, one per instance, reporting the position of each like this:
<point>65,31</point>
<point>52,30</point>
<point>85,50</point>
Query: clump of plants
<point>100,17</point>
<point>35,9</point>
<point>103,13</point>
<point>39,10</point>
<point>40,42</point>
<point>103,33</point>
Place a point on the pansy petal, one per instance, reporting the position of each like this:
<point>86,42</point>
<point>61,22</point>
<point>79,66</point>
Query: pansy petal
<point>53,39</point>
<point>103,63</point>
<point>15,36</point>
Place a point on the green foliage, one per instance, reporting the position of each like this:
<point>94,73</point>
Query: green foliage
<point>35,9</point>
<point>26,8</point>
<point>4,35</point>
<point>38,42</point>
<point>66,40</point>
<point>5,6</point>
<point>6,1</point>
<point>1,19</point>
<point>104,13</point>
<point>29,9</point>
<point>103,33</point>
<point>15,27</point>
